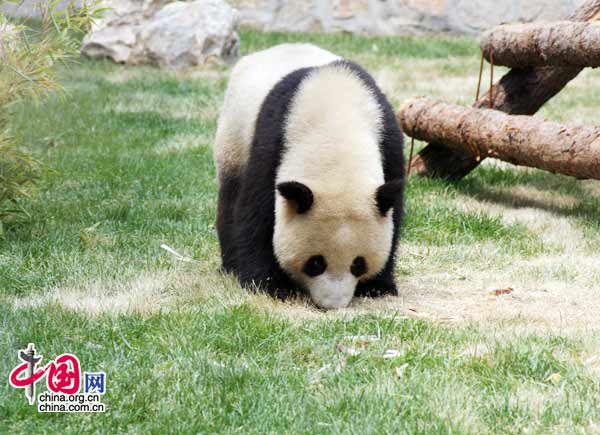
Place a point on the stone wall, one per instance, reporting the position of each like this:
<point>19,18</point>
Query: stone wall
<point>30,8</point>
<point>384,17</point>
<point>393,17</point>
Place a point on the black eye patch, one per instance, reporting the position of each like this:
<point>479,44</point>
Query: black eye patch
<point>315,266</point>
<point>359,266</point>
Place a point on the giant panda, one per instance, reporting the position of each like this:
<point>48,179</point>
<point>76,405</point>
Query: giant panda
<point>310,166</point>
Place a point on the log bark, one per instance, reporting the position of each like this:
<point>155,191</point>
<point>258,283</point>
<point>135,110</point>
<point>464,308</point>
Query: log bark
<point>520,140</point>
<point>520,92</point>
<point>562,43</point>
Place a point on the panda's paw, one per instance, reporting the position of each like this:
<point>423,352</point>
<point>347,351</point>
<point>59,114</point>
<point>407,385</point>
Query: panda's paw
<point>376,289</point>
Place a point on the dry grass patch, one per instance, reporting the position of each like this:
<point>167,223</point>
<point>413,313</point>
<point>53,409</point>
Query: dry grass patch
<point>146,294</point>
<point>182,142</point>
<point>123,75</point>
<point>591,187</point>
<point>402,79</point>
<point>557,290</point>
<point>177,107</point>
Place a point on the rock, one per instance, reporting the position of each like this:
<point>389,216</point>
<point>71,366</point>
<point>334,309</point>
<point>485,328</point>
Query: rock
<point>183,34</point>
<point>159,32</point>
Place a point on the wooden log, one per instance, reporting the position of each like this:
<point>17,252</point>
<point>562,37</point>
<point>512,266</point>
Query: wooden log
<point>517,139</point>
<point>563,43</point>
<point>522,91</point>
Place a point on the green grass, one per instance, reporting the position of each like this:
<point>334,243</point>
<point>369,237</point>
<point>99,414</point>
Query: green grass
<point>237,369</point>
<point>130,149</point>
<point>347,44</point>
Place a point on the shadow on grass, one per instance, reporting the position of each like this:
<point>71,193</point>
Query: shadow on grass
<point>497,186</point>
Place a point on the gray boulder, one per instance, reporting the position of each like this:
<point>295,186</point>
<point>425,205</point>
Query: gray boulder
<point>159,32</point>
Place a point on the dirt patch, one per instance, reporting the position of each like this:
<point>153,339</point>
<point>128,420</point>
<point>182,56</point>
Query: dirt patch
<point>187,286</point>
<point>547,305</point>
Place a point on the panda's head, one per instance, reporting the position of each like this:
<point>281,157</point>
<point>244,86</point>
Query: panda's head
<point>330,241</point>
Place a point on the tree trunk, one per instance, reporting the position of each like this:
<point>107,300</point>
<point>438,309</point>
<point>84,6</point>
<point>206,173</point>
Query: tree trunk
<point>520,140</point>
<point>543,44</point>
<point>519,92</point>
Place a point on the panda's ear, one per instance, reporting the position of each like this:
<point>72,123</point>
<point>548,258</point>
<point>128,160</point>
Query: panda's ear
<point>297,193</point>
<point>388,194</point>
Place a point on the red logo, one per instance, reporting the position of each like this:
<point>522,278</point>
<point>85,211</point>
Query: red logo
<point>63,375</point>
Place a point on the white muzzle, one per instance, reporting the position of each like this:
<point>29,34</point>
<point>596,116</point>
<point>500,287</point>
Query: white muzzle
<point>332,292</point>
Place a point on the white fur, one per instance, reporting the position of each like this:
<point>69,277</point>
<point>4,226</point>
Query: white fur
<point>331,292</point>
<point>332,146</point>
<point>251,80</point>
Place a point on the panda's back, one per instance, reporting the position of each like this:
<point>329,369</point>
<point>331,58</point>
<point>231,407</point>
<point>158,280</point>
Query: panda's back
<point>251,80</point>
<point>332,134</point>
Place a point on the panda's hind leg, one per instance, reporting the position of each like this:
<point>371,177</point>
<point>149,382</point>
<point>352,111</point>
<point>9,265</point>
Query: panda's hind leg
<point>228,192</point>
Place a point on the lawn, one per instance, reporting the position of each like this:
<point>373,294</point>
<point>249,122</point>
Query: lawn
<point>187,350</point>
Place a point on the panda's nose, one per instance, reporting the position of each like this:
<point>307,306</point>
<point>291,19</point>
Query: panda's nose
<point>333,292</point>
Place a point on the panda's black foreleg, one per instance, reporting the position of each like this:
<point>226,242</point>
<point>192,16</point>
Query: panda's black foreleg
<point>275,285</point>
<point>381,285</point>
<point>376,288</point>
<point>257,268</point>
<point>228,191</point>
<point>260,272</point>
